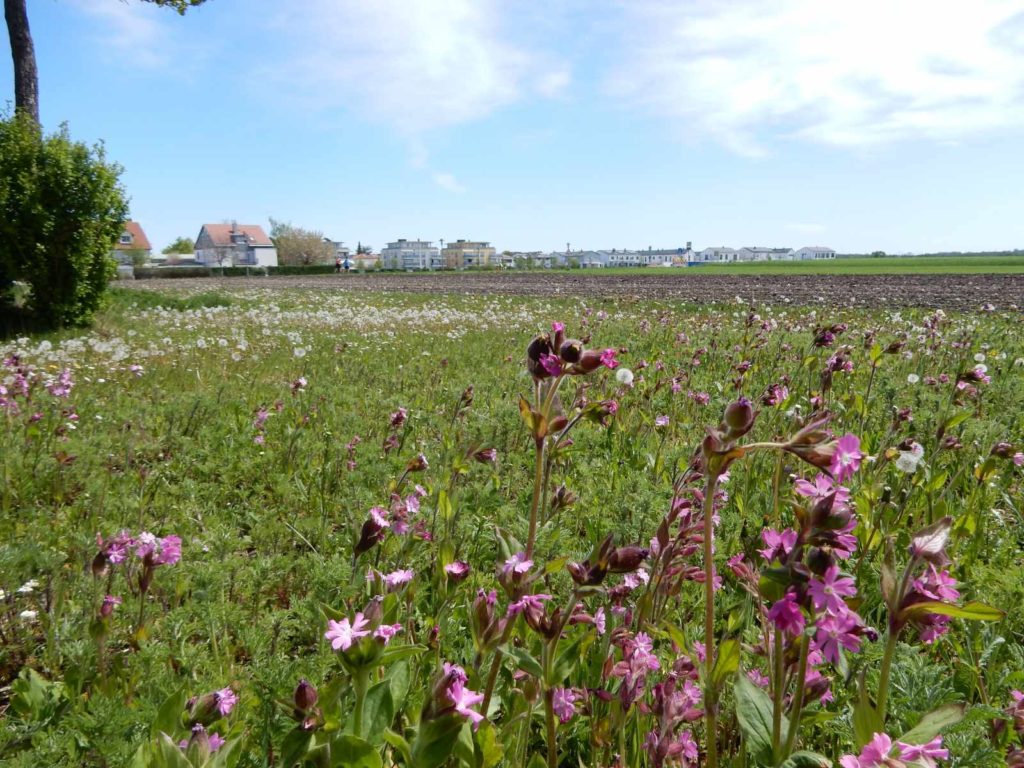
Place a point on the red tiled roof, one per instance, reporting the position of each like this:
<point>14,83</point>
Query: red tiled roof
<point>221,233</point>
<point>139,239</point>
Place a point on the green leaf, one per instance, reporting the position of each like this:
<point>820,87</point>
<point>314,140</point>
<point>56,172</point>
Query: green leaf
<point>398,743</point>
<point>804,759</point>
<point>400,680</point>
<point>464,748</point>
<point>227,756</point>
<point>168,717</point>
<point>435,741</point>
<point>378,712</point>
<point>488,749</point>
<point>294,746</point>
<point>444,505</point>
<point>566,661</point>
<point>526,662</point>
<point>754,712</point>
<point>934,723</point>
<point>866,720</point>
<point>170,756</point>
<point>973,610</point>
<point>726,663</point>
<point>394,653</point>
<point>349,752</point>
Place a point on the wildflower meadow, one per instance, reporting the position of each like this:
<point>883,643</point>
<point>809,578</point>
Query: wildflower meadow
<point>259,527</point>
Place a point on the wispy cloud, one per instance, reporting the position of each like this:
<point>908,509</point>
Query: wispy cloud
<point>133,30</point>
<point>413,64</point>
<point>449,183</point>
<point>750,72</point>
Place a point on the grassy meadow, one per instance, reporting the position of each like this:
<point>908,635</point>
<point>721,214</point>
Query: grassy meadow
<point>326,462</point>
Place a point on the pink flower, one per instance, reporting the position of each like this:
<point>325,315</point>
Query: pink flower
<point>527,602</point>
<point>457,571</point>
<point>827,593</point>
<point>608,359</point>
<point>642,655</point>
<point>343,634</point>
<point>758,678</point>
<point>226,701</point>
<point>461,697</point>
<point>396,579</point>
<point>777,545</point>
<point>552,364</point>
<point>563,703</point>
<point>379,517</point>
<point>599,621</point>
<point>846,460</point>
<point>821,489</point>
<point>398,417</point>
<point>661,421</point>
<point>835,632</point>
<point>109,603</point>
<point>517,564</point>
<point>787,616</point>
<point>924,754</point>
<point>165,551</point>
<point>386,631</point>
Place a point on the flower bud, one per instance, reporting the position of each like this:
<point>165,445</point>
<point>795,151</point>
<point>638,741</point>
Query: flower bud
<point>739,417</point>
<point>203,710</point>
<point>537,349</point>
<point>589,361</point>
<point>627,559</point>
<point>571,351</point>
<point>305,696</point>
<point>1003,450</point>
<point>417,464</point>
<point>197,751</point>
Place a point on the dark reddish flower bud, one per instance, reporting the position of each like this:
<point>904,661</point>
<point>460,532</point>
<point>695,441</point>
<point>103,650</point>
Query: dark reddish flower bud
<point>739,417</point>
<point>417,464</point>
<point>557,424</point>
<point>590,361</point>
<point>374,611</point>
<point>373,530</point>
<point>198,749</point>
<point>819,560</point>
<point>99,565</point>
<point>536,350</point>
<point>571,350</point>
<point>579,572</point>
<point>562,498</point>
<point>627,559</point>
<point>305,696</point>
<point>486,455</point>
<point>1003,450</point>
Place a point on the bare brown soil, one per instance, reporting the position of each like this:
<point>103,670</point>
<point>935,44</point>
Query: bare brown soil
<point>948,292</point>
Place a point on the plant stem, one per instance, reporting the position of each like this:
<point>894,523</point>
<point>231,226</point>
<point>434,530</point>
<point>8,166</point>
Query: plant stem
<point>360,682</point>
<point>710,694</point>
<point>779,692</point>
<point>798,698</point>
<point>882,699</point>
<point>538,488</point>
<point>492,675</point>
<point>552,734</point>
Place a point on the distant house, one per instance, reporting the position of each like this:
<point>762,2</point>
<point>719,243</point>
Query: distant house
<point>593,259</point>
<point>813,253</point>
<point>365,260</point>
<point>463,254</point>
<point>754,253</point>
<point>339,249</point>
<point>132,246</point>
<point>411,254</point>
<point>718,255</point>
<point>235,245</point>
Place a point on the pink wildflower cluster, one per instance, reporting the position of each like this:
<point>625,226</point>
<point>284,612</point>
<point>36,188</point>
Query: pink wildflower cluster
<point>345,633</point>
<point>881,752</point>
<point>552,354</point>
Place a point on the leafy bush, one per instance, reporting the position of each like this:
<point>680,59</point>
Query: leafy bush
<point>61,211</point>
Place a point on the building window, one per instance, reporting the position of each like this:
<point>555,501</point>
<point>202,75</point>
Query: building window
<point>126,239</point>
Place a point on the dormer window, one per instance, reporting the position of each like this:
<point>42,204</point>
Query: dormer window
<point>126,239</point>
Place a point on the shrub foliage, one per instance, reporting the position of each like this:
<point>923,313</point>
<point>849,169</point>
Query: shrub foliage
<point>62,208</point>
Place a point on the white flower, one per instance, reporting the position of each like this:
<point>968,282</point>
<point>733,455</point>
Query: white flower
<point>28,615</point>
<point>913,378</point>
<point>624,376</point>
<point>909,460</point>
<point>28,587</point>
<point>980,357</point>
<point>299,352</point>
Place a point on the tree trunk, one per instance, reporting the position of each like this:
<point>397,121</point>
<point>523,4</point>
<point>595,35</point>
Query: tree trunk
<point>26,74</point>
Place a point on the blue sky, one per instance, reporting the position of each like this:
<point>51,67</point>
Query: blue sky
<point>895,125</point>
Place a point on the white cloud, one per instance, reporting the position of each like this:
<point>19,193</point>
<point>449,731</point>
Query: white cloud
<point>751,71</point>
<point>413,64</point>
<point>448,182</point>
<point>131,30</point>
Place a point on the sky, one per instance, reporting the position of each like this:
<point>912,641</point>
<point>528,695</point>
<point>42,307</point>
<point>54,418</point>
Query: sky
<point>893,125</point>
